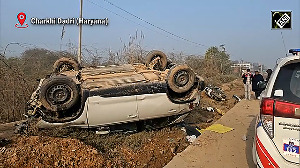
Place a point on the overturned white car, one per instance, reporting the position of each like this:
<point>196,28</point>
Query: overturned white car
<point>111,95</point>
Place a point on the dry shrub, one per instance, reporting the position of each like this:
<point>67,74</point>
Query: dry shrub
<point>214,67</point>
<point>18,80</point>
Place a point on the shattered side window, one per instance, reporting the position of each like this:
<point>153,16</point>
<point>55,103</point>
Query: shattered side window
<point>288,80</point>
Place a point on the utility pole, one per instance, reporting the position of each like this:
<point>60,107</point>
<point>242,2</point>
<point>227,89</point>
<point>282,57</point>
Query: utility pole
<point>80,34</point>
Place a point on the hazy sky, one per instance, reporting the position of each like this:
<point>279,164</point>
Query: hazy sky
<point>244,26</point>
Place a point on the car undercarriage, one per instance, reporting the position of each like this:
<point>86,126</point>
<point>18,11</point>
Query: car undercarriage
<point>62,96</point>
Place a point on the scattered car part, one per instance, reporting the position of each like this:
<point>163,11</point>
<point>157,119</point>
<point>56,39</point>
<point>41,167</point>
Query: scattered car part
<point>220,111</point>
<point>191,138</point>
<point>215,93</point>
<point>210,109</point>
<point>237,98</point>
<point>191,131</point>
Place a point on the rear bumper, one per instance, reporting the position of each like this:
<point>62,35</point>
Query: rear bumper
<point>265,153</point>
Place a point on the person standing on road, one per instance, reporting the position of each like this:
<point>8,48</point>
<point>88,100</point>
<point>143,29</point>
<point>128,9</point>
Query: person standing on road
<point>269,72</point>
<point>255,81</point>
<point>247,83</point>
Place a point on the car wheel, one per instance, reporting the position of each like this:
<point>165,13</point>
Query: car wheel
<point>59,93</point>
<point>65,64</point>
<point>180,78</point>
<point>156,60</point>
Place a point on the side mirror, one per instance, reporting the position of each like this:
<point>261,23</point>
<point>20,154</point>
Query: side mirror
<point>262,85</point>
<point>278,93</point>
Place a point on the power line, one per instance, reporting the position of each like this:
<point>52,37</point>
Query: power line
<point>164,30</point>
<point>128,19</point>
<point>285,50</point>
<point>116,14</point>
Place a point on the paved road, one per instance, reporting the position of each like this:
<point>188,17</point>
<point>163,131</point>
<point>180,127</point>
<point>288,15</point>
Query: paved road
<point>227,150</point>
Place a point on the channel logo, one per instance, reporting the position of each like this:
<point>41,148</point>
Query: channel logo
<point>281,19</point>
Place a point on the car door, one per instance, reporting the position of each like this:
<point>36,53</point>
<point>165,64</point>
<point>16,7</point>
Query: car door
<point>155,105</point>
<point>108,110</point>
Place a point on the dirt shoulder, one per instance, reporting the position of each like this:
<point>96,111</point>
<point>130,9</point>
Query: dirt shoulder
<point>223,150</point>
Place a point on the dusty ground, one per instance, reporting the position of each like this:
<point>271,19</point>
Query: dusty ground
<point>143,149</point>
<point>82,148</point>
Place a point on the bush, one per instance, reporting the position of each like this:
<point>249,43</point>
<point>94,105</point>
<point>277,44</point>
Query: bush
<point>18,80</point>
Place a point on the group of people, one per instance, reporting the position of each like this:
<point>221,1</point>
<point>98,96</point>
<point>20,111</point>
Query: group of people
<point>251,82</point>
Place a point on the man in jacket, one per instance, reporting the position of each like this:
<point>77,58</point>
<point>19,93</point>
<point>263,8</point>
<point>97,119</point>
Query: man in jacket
<point>247,79</point>
<point>269,71</point>
<point>255,81</point>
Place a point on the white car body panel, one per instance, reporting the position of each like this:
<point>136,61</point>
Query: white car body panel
<point>283,134</point>
<point>155,105</point>
<point>100,111</point>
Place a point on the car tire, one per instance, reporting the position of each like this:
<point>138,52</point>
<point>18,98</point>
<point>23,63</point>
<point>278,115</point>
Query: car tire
<point>162,63</point>
<point>65,64</point>
<point>181,78</point>
<point>59,93</point>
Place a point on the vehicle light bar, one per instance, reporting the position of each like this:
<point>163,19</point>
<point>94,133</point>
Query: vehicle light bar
<point>294,51</point>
